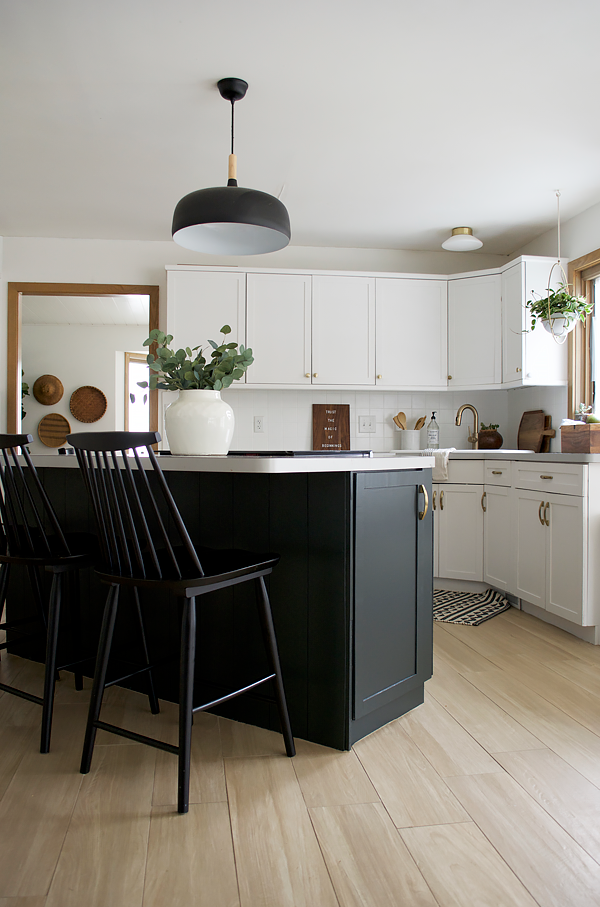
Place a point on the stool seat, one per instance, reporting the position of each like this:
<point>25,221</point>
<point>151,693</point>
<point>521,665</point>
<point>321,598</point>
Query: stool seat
<point>144,544</point>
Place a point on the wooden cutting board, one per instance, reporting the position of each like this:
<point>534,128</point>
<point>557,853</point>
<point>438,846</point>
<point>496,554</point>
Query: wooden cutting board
<point>534,429</point>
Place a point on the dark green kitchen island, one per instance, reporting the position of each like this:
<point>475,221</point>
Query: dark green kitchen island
<point>351,596</point>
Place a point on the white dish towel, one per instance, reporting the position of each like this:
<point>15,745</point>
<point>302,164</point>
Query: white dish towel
<point>440,469</point>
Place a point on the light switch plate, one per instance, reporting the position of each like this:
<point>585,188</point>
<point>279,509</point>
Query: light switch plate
<point>366,423</point>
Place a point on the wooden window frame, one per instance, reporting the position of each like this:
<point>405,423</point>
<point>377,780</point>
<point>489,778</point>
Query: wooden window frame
<point>132,357</point>
<point>581,277</point>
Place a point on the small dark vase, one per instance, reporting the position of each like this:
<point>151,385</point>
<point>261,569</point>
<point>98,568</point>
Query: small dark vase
<point>489,439</point>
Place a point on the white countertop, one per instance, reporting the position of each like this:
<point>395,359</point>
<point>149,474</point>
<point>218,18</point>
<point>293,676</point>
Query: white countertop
<point>265,464</point>
<point>508,455</point>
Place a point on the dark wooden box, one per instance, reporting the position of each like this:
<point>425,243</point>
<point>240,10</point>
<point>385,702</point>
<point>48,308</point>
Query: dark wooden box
<point>582,438</point>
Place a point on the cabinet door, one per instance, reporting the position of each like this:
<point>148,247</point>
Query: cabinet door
<point>199,303</point>
<point>411,332</point>
<point>436,528</point>
<point>343,330</point>
<point>474,332</point>
<point>566,555</point>
<point>498,560</point>
<point>273,301</point>
<point>529,357</point>
<point>460,542</point>
<point>530,546</point>
<point>392,604</point>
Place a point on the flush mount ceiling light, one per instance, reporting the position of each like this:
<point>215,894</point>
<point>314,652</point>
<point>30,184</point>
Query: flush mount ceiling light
<point>230,220</point>
<point>462,240</point>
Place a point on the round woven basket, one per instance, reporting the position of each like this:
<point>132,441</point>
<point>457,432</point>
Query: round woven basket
<point>88,404</point>
<point>48,389</point>
<point>53,430</point>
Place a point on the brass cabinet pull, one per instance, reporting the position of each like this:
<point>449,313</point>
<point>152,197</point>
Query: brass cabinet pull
<point>449,377</point>
<point>423,513</point>
<point>441,500</point>
<point>307,375</point>
<point>315,374</point>
<point>434,497</point>
<point>546,477</point>
<point>518,369</point>
<point>540,517</point>
<point>496,472</point>
<point>546,518</point>
<point>483,500</point>
<point>379,377</point>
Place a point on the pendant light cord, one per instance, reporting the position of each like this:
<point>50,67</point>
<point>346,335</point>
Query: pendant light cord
<point>557,218</point>
<point>232,181</point>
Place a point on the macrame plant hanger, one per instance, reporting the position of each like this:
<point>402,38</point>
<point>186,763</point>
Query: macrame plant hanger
<point>558,338</point>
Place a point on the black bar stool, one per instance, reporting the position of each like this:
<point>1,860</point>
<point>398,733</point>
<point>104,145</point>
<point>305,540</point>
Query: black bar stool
<point>138,551</point>
<point>31,536</point>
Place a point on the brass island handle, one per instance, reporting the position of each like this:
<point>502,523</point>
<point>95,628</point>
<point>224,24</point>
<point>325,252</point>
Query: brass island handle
<point>441,500</point>
<point>423,513</point>
<point>546,516</point>
<point>484,501</point>
<point>540,517</point>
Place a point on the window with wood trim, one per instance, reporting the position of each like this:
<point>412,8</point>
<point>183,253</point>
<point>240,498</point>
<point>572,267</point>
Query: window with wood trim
<point>584,340</point>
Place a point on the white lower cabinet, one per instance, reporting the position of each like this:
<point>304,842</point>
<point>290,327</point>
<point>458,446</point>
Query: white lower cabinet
<point>498,561</point>
<point>458,524</point>
<point>551,552</point>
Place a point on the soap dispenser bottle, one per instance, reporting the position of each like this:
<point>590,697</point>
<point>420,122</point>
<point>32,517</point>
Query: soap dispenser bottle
<point>433,434</point>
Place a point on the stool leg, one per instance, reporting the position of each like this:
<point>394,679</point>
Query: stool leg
<point>51,646</point>
<point>266,619</point>
<point>76,619</point>
<point>152,697</point>
<point>4,575</point>
<point>186,702</point>
<point>34,579</point>
<point>106,635</point>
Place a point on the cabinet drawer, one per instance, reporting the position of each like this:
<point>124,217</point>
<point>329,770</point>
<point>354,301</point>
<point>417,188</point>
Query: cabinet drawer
<point>561,478</point>
<point>465,472</point>
<point>497,472</point>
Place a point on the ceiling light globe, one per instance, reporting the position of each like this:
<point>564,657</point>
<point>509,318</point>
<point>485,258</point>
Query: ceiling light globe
<point>462,240</point>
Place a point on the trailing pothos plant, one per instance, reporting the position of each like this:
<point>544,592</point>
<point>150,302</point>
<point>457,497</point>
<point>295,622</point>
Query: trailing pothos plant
<point>559,303</point>
<point>181,370</point>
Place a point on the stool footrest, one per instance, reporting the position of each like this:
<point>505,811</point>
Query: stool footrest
<point>16,692</point>
<point>209,705</point>
<point>139,738</point>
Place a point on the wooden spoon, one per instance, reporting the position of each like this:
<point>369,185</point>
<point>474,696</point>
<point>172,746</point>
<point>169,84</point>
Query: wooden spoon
<point>400,420</point>
<point>420,423</point>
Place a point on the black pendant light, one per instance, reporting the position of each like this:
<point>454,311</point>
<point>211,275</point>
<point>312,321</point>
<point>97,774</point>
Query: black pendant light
<point>230,220</point>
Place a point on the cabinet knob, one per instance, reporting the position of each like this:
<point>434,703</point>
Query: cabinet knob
<point>518,369</point>
<point>307,375</point>
<point>315,374</point>
<point>449,377</point>
<point>379,377</point>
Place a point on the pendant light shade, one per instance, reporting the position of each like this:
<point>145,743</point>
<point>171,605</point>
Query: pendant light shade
<point>231,220</point>
<point>462,240</point>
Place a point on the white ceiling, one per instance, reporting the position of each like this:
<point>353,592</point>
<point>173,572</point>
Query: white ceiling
<point>382,123</point>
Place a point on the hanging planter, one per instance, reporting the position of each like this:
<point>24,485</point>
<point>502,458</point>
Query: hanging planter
<point>559,311</point>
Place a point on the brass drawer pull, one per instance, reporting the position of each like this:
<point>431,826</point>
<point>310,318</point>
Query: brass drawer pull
<point>423,513</point>
<point>497,472</point>
<point>540,517</point>
<point>434,497</point>
<point>483,501</point>
<point>546,517</point>
<point>441,500</point>
<point>546,477</point>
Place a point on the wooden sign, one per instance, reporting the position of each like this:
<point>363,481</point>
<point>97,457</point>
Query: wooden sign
<point>331,426</point>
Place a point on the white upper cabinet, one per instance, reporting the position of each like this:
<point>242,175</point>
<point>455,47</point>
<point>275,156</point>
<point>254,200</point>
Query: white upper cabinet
<point>474,332</point>
<point>199,303</point>
<point>411,333</point>
<point>529,357</point>
<point>278,320</point>
<point>343,330</point>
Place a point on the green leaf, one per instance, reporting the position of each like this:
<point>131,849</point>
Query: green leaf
<point>142,384</point>
<point>217,385</point>
<point>226,329</point>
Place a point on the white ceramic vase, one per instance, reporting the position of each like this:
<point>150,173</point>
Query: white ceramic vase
<point>199,424</point>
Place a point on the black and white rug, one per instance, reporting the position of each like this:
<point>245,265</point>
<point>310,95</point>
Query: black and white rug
<point>467,607</point>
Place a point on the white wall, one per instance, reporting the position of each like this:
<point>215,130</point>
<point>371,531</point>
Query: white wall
<point>578,236</point>
<point>77,355</point>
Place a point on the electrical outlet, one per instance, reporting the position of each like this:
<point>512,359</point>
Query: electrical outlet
<point>259,423</point>
<point>366,423</point>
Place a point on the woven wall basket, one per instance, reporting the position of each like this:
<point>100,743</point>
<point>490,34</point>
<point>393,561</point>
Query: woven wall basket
<point>88,404</point>
<point>53,430</point>
<point>48,389</point>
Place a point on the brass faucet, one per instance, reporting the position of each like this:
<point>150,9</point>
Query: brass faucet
<point>474,437</point>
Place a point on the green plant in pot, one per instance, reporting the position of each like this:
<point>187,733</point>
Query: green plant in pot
<point>559,311</point>
<point>488,437</point>
<point>199,422</point>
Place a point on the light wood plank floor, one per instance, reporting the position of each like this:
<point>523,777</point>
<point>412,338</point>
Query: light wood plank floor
<point>488,794</point>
